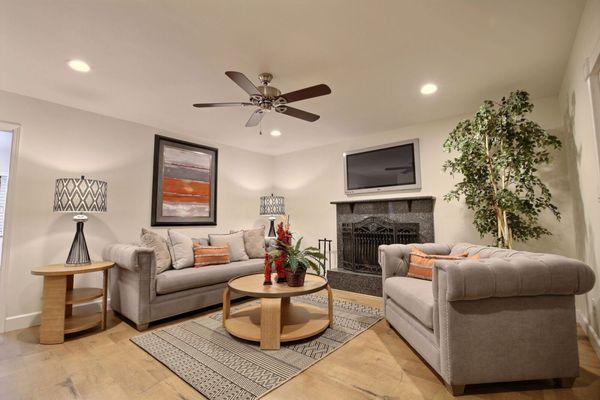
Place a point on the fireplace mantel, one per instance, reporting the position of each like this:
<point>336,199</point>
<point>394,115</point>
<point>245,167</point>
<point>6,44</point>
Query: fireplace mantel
<point>408,200</point>
<point>381,200</point>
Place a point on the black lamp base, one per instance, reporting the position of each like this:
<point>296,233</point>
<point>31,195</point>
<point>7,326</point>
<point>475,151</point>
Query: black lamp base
<point>79,252</point>
<point>272,233</point>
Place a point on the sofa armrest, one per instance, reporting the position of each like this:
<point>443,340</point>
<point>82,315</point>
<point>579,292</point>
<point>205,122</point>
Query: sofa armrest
<point>544,274</point>
<point>125,255</point>
<point>133,283</point>
<point>394,258</point>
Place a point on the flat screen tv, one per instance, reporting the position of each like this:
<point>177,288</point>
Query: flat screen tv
<point>393,166</point>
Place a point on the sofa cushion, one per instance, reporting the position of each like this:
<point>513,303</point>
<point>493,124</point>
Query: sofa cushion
<point>161,249</point>
<point>175,280</point>
<point>254,242</point>
<point>235,241</point>
<point>413,295</point>
<point>421,264</point>
<point>181,249</point>
<point>210,255</point>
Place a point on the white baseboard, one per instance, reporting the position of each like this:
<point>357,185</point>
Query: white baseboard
<point>589,330</point>
<point>35,318</point>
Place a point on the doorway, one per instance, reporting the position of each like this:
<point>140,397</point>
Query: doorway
<point>9,136</point>
<point>5,152</point>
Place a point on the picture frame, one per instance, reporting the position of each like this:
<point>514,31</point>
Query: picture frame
<point>184,184</point>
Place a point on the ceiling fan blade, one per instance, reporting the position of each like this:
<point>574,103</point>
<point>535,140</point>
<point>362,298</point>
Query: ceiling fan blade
<point>307,93</point>
<point>242,81</point>
<point>294,112</point>
<point>255,118</point>
<point>205,105</point>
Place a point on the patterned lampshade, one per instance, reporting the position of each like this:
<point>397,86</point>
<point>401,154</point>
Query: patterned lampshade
<point>272,205</point>
<point>80,195</point>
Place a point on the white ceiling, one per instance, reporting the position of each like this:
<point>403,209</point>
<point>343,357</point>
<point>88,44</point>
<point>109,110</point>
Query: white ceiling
<point>152,59</point>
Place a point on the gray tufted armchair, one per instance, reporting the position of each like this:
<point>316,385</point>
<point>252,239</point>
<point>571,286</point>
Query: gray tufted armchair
<point>508,316</point>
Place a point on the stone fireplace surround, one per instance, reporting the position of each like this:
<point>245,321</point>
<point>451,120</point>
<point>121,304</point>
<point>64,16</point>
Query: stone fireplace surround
<point>363,225</point>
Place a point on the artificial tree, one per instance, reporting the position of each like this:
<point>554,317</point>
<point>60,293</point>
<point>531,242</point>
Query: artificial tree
<point>499,153</point>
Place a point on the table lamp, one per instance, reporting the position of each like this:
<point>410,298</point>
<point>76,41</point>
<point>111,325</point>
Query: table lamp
<point>79,195</point>
<point>272,206</point>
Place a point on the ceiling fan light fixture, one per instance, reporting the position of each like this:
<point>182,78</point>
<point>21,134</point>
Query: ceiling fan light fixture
<point>275,133</point>
<point>429,88</point>
<point>266,98</point>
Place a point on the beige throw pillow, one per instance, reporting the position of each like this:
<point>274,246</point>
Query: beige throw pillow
<point>254,242</point>
<point>181,247</point>
<point>161,250</point>
<point>235,241</point>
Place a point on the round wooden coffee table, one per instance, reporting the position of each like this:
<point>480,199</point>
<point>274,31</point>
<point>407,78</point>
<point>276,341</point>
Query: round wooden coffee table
<point>276,319</point>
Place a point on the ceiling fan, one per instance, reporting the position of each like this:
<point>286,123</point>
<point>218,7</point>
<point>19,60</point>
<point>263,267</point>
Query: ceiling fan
<point>268,98</point>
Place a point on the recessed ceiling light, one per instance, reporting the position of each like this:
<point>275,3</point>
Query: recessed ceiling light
<point>428,88</point>
<point>275,133</point>
<point>79,66</point>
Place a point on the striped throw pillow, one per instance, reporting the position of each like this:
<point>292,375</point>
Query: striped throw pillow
<point>210,255</point>
<point>421,264</point>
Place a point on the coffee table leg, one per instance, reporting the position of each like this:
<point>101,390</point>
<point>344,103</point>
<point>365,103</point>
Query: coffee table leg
<point>226,304</point>
<point>270,324</point>
<point>285,307</point>
<point>52,330</point>
<point>330,303</point>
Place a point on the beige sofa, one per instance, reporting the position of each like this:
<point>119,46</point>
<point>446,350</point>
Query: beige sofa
<point>509,316</point>
<point>139,294</point>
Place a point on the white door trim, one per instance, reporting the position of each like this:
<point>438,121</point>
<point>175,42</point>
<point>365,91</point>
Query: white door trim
<point>8,217</point>
<point>592,77</point>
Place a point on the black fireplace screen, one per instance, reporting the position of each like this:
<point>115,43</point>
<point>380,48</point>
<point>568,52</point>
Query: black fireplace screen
<point>360,241</point>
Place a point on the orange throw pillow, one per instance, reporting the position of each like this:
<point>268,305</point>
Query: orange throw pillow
<point>421,264</point>
<point>210,255</point>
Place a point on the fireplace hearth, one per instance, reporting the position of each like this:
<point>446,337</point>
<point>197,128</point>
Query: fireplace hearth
<point>364,225</point>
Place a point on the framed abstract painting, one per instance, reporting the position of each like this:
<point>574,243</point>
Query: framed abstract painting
<point>184,189</point>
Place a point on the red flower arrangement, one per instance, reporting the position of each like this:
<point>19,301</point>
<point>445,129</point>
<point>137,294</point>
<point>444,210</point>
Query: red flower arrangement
<point>290,261</point>
<point>284,236</point>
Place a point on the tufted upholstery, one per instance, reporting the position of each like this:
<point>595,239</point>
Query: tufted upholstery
<point>523,275</point>
<point>507,316</point>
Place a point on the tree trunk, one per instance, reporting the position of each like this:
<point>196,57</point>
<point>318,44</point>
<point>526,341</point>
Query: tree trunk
<point>504,231</point>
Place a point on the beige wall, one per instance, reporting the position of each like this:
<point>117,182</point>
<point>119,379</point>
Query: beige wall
<point>310,179</point>
<point>57,141</point>
<point>577,111</point>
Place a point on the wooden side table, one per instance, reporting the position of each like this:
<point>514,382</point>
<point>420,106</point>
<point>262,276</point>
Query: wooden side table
<point>59,298</point>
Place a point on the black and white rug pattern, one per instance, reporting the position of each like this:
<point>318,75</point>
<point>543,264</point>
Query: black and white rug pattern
<point>220,367</point>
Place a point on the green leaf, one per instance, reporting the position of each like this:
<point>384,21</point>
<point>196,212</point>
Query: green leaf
<point>498,154</point>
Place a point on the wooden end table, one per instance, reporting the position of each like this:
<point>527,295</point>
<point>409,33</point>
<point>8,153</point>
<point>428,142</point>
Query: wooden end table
<point>59,298</point>
<point>276,319</point>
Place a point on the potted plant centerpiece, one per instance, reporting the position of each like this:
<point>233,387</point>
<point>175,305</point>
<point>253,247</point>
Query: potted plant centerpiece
<point>290,261</point>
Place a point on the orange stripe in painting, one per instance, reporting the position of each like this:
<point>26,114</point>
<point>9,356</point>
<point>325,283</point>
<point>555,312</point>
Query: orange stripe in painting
<point>185,199</point>
<point>185,186</point>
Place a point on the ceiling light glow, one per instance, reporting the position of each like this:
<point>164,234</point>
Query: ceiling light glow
<point>275,133</point>
<point>79,66</point>
<point>428,88</point>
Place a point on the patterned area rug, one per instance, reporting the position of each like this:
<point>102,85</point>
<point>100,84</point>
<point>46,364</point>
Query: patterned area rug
<point>219,366</point>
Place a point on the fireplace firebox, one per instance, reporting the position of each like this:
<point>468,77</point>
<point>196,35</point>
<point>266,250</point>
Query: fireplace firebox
<point>364,225</point>
<point>362,239</point>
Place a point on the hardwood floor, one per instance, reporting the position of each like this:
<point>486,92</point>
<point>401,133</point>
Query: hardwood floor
<point>377,364</point>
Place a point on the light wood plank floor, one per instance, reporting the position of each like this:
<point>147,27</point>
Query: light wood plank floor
<point>378,364</point>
